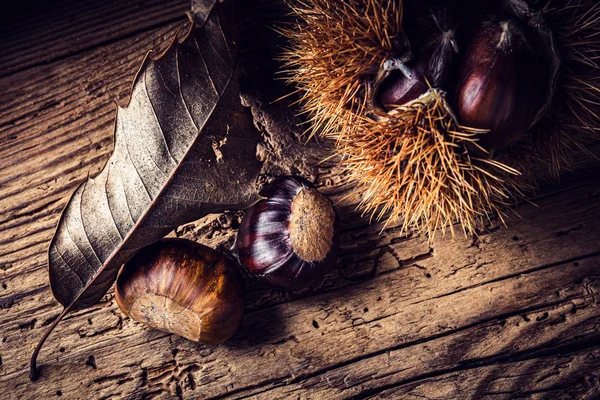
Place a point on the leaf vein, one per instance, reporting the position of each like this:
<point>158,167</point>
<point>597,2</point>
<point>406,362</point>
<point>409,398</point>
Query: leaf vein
<point>180,88</point>
<point>125,195</point>
<point>67,266</point>
<point>77,247</point>
<point>137,171</point>
<point>207,69</point>
<point>110,210</point>
<point>83,225</point>
<point>162,135</point>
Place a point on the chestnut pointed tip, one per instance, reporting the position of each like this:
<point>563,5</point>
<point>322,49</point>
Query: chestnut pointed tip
<point>396,64</point>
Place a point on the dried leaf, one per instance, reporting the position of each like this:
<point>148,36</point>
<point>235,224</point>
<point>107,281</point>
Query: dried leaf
<point>184,147</point>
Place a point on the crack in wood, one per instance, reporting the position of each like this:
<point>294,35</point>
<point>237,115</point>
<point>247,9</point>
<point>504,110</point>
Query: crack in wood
<point>506,277</point>
<point>542,351</point>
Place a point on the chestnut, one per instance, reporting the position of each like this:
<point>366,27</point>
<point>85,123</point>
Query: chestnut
<point>181,287</point>
<point>500,86</point>
<point>290,238</point>
<point>434,35</point>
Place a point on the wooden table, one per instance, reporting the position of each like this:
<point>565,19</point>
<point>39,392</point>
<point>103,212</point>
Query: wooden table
<point>511,314</point>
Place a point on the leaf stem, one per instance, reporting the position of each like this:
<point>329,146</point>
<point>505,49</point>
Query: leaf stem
<point>33,371</point>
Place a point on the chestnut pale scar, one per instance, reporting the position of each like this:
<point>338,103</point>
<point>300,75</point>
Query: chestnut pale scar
<point>311,225</point>
<point>167,315</point>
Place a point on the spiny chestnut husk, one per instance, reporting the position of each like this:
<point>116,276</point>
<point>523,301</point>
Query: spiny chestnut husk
<point>339,52</point>
<point>289,239</point>
<point>419,163</point>
<point>573,119</point>
<point>501,84</point>
<point>181,287</point>
<point>392,113</point>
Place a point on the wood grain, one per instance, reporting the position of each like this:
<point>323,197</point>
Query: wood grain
<point>41,32</point>
<point>512,313</point>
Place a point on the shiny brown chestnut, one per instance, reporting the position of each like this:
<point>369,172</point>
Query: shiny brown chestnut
<point>290,238</point>
<point>500,85</point>
<point>181,287</point>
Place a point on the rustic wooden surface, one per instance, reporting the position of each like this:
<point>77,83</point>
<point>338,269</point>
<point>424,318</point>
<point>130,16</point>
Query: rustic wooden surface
<point>511,314</point>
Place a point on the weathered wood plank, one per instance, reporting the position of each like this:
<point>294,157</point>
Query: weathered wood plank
<point>500,336</point>
<point>41,32</point>
<point>558,377</point>
<point>286,335</point>
<point>397,318</point>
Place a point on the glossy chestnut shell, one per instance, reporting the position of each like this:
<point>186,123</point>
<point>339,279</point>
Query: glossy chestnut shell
<point>290,238</point>
<point>500,86</point>
<point>181,287</point>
